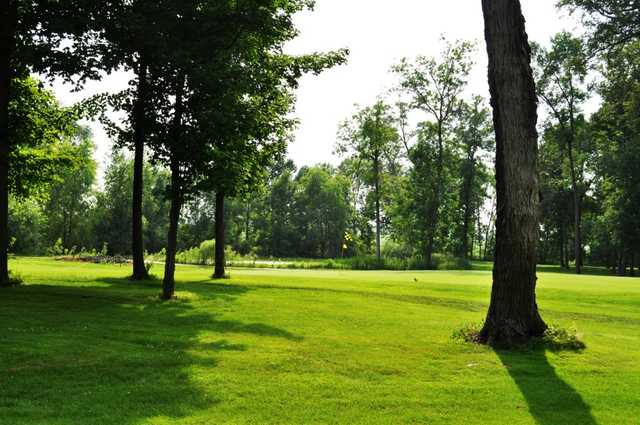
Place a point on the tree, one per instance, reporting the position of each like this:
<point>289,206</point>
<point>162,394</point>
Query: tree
<point>205,90</point>
<point>561,74</point>
<point>434,88</point>
<point>131,34</point>
<point>472,133</point>
<point>371,138</point>
<point>322,211</point>
<point>513,313</point>
<point>39,153</point>
<point>111,210</point>
<point>69,200</point>
<point>613,23</point>
<point>616,128</point>
<point>31,36</point>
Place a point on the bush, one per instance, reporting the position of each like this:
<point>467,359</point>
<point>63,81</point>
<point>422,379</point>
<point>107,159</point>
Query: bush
<point>443,262</point>
<point>392,249</point>
<point>207,252</point>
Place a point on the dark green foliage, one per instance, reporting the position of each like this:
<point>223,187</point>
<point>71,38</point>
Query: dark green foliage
<point>40,130</point>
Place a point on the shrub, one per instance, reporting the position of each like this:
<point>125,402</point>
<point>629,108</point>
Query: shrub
<point>468,332</point>
<point>555,338</point>
<point>558,339</point>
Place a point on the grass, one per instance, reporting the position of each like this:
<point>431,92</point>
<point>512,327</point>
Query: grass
<point>79,344</point>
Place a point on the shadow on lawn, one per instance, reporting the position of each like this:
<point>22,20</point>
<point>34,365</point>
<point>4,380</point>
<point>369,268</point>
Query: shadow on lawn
<point>551,400</point>
<point>114,355</point>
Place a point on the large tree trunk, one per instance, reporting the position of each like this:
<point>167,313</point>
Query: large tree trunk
<point>137,240</point>
<point>168,283</point>
<point>219,271</point>
<point>513,313</point>
<point>8,17</point>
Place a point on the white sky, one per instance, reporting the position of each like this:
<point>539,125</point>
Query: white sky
<point>378,33</point>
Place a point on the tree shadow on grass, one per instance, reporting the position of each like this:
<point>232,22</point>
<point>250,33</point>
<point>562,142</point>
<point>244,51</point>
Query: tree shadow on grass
<point>112,355</point>
<point>550,399</point>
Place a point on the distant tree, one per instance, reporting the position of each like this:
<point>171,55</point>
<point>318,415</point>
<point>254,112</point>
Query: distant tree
<point>323,211</point>
<point>557,199</point>
<point>69,200</point>
<point>616,132</point>
<point>371,139</point>
<point>473,131</point>
<point>111,210</point>
<point>513,313</point>
<point>561,73</point>
<point>434,88</point>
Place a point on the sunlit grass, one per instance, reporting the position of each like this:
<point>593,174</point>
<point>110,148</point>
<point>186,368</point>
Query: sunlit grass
<point>79,344</point>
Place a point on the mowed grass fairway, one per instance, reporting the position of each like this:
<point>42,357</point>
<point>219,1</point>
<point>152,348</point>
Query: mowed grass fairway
<point>79,344</point>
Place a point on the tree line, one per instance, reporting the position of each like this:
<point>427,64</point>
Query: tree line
<point>209,107</point>
<point>405,188</point>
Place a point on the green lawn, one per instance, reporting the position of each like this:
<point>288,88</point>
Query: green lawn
<point>81,345</point>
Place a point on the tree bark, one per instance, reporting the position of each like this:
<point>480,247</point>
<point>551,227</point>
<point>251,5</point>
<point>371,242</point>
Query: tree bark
<point>467,208</point>
<point>376,165</point>
<point>621,271</point>
<point>577,210</point>
<point>219,270</point>
<point>8,18</point>
<point>137,237</point>
<point>435,207</point>
<point>513,313</point>
<point>168,282</point>
<point>563,263</point>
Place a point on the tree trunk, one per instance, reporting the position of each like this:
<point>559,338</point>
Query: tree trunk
<point>376,165</point>
<point>464,249</point>
<point>467,189</point>
<point>563,264</point>
<point>577,219</point>
<point>8,21</point>
<point>488,236</point>
<point>435,207</point>
<point>621,266</point>
<point>137,239</point>
<point>219,260</point>
<point>577,210</point>
<point>513,313</point>
<point>567,252</point>
<point>168,283</point>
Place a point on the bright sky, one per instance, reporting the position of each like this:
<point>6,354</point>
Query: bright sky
<point>378,33</point>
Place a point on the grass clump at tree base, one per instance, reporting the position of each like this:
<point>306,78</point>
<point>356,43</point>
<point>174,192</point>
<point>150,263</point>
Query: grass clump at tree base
<point>555,338</point>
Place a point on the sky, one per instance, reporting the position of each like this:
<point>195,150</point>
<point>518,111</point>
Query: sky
<point>378,34</point>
